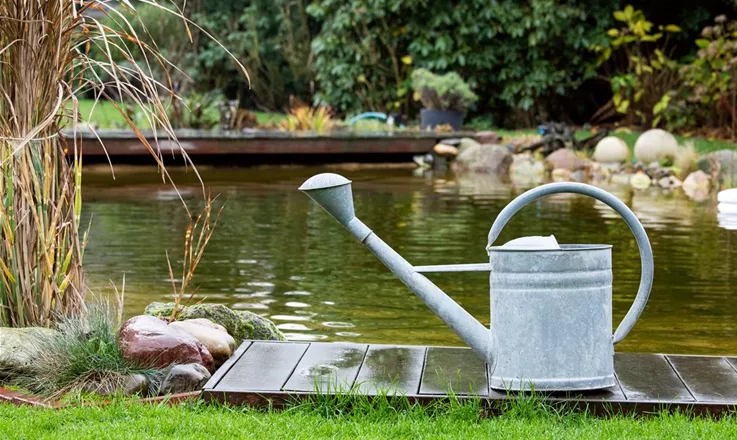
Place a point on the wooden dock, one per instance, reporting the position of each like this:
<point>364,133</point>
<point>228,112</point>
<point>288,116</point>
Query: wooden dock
<point>264,373</point>
<point>266,146</point>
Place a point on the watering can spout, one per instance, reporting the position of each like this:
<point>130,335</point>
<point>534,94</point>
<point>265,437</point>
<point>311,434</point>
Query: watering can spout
<point>333,193</point>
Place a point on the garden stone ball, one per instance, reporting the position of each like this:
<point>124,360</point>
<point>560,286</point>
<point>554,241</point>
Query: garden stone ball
<point>655,145</point>
<point>611,149</point>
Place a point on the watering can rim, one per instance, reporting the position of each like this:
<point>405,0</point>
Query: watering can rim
<point>563,248</point>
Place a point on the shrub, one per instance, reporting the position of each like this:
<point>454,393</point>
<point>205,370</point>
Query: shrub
<point>708,92</point>
<point>302,117</point>
<point>196,110</point>
<point>638,67</point>
<point>520,55</point>
<point>442,92</point>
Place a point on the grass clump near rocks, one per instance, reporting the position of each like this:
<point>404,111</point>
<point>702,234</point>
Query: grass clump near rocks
<point>240,324</point>
<point>83,356</point>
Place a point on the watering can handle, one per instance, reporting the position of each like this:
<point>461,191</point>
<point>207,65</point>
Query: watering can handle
<point>646,252</point>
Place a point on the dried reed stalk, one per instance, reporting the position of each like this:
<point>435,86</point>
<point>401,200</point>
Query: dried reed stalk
<point>44,65</point>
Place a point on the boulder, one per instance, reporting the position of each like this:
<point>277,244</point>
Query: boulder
<point>484,159</point>
<point>697,185</point>
<point>560,175</point>
<point>20,347</point>
<point>213,336</point>
<point>722,165</point>
<point>611,149</point>
<point>640,181</point>
<point>466,143</point>
<point>656,172</point>
<point>488,137</point>
<point>525,170</point>
<point>621,178</point>
<point>669,182</point>
<point>150,341</point>
<point>135,384</point>
<point>184,379</point>
<point>565,159</point>
<point>655,145</point>
<point>241,325</point>
<point>444,150</point>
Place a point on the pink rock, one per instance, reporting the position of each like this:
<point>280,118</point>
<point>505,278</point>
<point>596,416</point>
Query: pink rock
<point>565,159</point>
<point>150,341</point>
<point>487,137</point>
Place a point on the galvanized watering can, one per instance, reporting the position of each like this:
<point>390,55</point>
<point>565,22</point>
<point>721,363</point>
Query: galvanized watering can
<point>551,307</point>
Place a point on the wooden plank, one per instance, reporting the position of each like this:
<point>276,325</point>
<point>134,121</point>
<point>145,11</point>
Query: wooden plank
<point>220,372</point>
<point>709,379</point>
<point>395,370</point>
<point>456,370</point>
<point>331,366</point>
<point>265,366</point>
<point>649,377</point>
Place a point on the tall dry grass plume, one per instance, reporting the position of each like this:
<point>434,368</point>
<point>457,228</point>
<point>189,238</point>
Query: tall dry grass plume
<point>45,63</point>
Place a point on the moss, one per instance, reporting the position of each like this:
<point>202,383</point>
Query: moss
<point>241,325</point>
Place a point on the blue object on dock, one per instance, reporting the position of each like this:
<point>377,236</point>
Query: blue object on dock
<point>368,115</point>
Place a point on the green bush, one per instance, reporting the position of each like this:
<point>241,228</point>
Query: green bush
<point>442,92</point>
<point>518,55</point>
<point>708,90</point>
<point>270,37</point>
<point>527,61</point>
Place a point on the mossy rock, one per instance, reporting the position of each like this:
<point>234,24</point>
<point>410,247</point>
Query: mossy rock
<point>20,347</point>
<point>240,324</point>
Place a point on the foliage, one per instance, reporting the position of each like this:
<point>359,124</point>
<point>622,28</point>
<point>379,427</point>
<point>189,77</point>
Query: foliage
<point>83,356</point>
<point>516,55</point>
<point>46,62</point>
<point>271,37</point>
<point>196,110</point>
<point>707,96</point>
<point>196,238</point>
<point>302,117</point>
<point>442,92</point>
<point>641,72</point>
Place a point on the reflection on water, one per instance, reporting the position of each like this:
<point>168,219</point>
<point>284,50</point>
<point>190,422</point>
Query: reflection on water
<point>277,254</point>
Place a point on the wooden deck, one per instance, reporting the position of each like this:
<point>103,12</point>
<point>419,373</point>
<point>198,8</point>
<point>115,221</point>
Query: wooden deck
<point>262,145</point>
<point>275,373</point>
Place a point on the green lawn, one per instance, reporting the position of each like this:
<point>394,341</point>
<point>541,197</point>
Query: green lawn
<point>199,421</point>
<point>105,115</point>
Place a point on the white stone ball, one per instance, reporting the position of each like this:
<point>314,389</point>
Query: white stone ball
<point>655,145</point>
<point>611,149</point>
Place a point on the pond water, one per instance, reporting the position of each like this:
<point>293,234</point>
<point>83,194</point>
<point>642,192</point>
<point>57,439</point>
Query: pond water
<point>278,254</point>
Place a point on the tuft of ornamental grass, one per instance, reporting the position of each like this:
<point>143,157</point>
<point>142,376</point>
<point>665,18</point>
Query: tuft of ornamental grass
<point>83,357</point>
<point>46,61</point>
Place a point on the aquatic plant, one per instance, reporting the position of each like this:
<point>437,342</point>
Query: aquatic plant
<point>45,63</point>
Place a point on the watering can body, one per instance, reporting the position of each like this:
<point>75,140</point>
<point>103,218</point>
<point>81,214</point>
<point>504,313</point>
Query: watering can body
<point>551,307</point>
<point>551,314</point>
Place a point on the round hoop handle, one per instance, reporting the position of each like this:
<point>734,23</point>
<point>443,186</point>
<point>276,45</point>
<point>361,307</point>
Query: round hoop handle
<point>646,252</point>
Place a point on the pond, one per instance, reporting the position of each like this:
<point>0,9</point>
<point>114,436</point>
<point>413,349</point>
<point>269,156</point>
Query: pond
<point>276,253</point>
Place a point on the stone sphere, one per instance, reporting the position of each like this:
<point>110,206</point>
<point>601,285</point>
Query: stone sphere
<point>611,149</point>
<point>655,145</point>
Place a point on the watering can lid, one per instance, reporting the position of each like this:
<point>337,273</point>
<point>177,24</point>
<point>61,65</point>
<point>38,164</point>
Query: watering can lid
<point>533,243</point>
<point>323,181</point>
